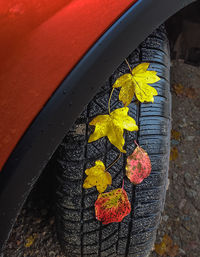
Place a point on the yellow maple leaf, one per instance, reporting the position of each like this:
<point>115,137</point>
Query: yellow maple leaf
<point>137,83</point>
<point>97,176</point>
<point>113,126</point>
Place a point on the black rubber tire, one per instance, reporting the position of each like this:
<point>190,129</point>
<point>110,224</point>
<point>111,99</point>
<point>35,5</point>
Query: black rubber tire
<point>80,234</point>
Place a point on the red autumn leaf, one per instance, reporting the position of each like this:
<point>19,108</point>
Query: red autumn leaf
<point>112,206</point>
<point>138,165</point>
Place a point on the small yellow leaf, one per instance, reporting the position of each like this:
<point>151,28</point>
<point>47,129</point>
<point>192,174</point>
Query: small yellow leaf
<point>137,83</point>
<point>97,176</point>
<point>29,241</point>
<point>175,134</point>
<point>160,248</point>
<point>180,90</point>
<point>173,154</point>
<point>166,247</point>
<point>113,126</point>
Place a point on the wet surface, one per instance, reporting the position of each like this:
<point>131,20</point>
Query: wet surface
<point>34,233</point>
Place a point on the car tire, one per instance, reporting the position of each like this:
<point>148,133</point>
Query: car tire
<point>79,232</point>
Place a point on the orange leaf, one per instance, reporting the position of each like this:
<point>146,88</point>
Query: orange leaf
<point>173,154</point>
<point>112,206</point>
<point>138,166</point>
<point>175,134</point>
<point>166,247</point>
<point>180,90</point>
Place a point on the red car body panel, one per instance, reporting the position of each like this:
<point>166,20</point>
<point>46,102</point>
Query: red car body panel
<point>41,41</point>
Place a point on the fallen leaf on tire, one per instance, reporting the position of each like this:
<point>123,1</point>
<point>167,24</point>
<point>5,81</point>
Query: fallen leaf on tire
<point>97,176</point>
<point>138,165</point>
<point>137,84</point>
<point>167,247</point>
<point>173,154</point>
<point>180,90</point>
<point>113,126</point>
<point>112,206</point>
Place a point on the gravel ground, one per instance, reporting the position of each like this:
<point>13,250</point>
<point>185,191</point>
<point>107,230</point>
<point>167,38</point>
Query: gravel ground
<point>34,232</point>
<point>181,216</point>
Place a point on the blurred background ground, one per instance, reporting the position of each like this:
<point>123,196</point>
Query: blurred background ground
<point>180,219</point>
<point>34,232</point>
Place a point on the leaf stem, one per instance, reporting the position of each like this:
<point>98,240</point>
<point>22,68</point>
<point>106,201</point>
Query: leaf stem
<point>123,184</point>
<point>120,154</point>
<point>136,142</point>
<point>110,100</point>
<point>128,65</point>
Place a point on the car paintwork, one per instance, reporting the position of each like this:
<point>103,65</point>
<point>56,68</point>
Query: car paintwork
<point>40,43</point>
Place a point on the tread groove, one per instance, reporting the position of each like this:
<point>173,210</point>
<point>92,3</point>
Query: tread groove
<point>83,191</point>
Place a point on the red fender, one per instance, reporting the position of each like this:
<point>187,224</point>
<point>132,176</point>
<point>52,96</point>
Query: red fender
<point>41,41</point>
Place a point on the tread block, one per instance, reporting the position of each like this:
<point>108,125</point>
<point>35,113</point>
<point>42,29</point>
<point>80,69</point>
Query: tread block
<point>160,33</point>
<point>134,56</point>
<point>108,230</point>
<point>71,202</point>
<point>96,148</point>
<point>89,199</point>
<point>110,157</point>
<point>146,209</point>
<point>155,55</point>
<point>91,249</point>
<point>109,252</point>
<point>122,246</point>
<point>163,87</point>
<point>154,126</point>
<point>142,237</point>
<point>71,227</point>
<point>69,215</point>
<point>72,189</point>
<point>149,195</point>
<point>89,215</point>
<point>72,239</point>
<point>67,170</point>
<point>154,180</point>
<point>162,72</point>
<point>139,225</point>
<point>91,226</point>
<point>157,109</point>
<point>155,145</point>
<point>95,109</point>
<point>71,251</point>
<point>155,43</point>
<point>159,163</point>
<point>145,224</point>
<point>91,238</point>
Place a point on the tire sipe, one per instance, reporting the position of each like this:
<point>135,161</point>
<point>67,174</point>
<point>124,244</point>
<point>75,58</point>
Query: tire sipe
<point>79,233</point>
